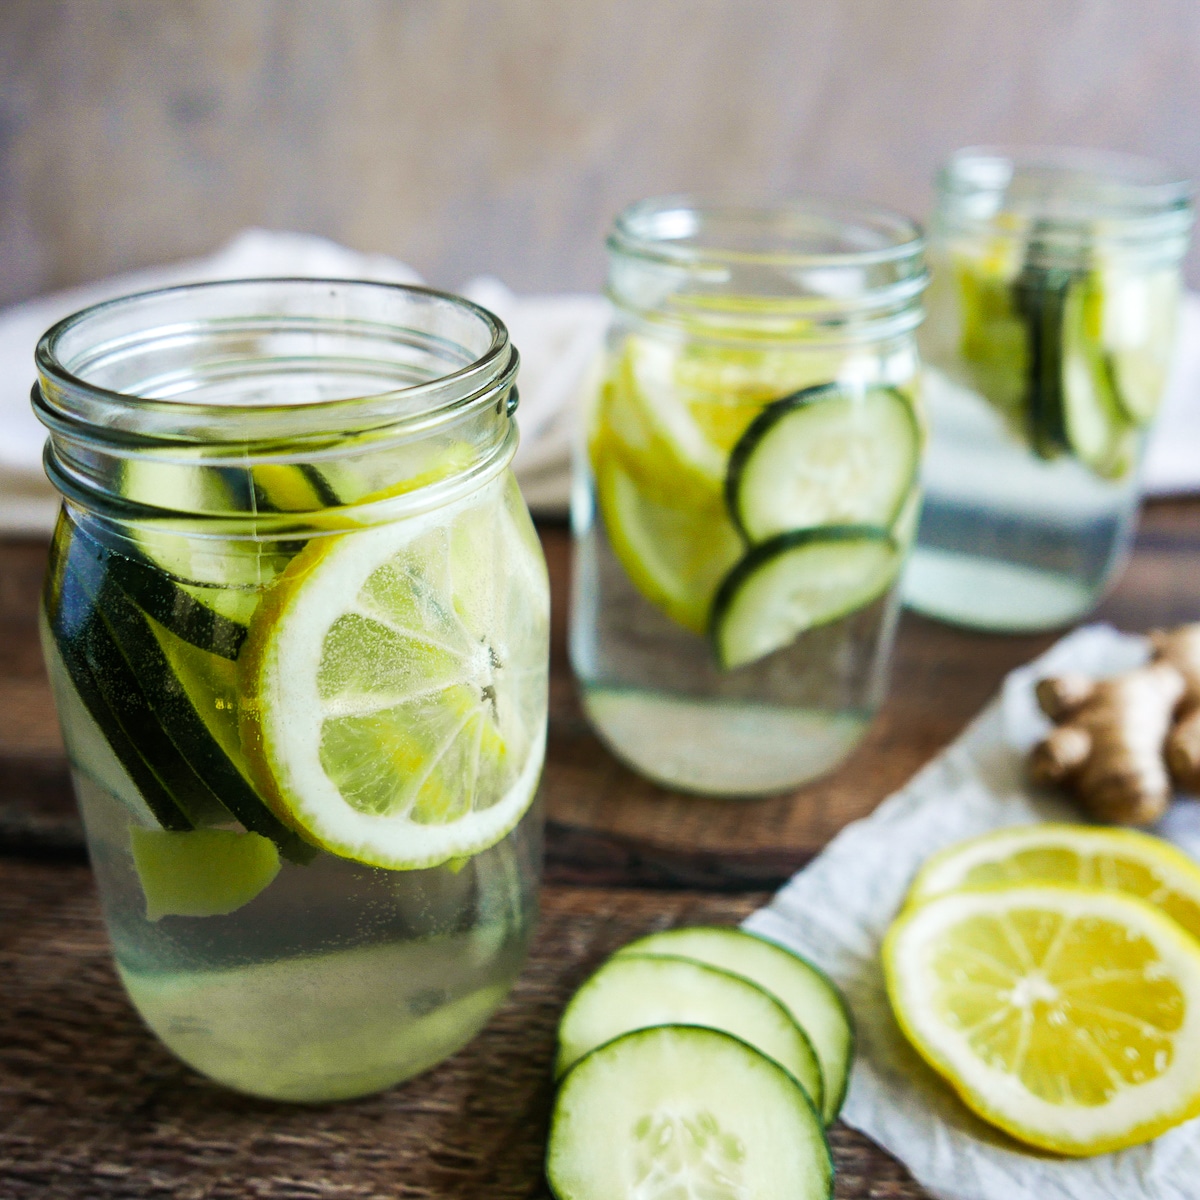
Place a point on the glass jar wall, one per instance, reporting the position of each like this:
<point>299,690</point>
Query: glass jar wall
<point>747,487</point>
<point>1051,322</point>
<point>296,624</point>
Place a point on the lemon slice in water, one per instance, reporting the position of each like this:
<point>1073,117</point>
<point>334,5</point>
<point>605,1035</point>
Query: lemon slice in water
<point>674,554</point>
<point>1067,1016</point>
<point>393,684</point>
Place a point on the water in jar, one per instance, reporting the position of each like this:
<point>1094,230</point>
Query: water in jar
<point>286,950</point>
<point>700,545</point>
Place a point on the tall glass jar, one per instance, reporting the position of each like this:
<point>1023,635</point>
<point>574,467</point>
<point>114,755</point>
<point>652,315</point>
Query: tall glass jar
<point>1051,322</point>
<point>747,488</point>
<point>296,625</point>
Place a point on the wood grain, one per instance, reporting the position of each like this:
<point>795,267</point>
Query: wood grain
<point>93,1108</point>
<point>606,824</point>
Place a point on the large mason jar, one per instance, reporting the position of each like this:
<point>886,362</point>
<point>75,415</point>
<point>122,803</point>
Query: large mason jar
<point>1052,308</point>
<point>296,624</point>
<point>747,488</point>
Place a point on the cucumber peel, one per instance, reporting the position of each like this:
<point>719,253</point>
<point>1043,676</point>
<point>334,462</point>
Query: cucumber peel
<point>797,581</point>
<point>826,455</point>
<point>803,989</point>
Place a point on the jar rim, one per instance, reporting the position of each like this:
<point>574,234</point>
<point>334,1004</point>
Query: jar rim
<point>1070,182</point>
<point>66,399</point>
<point>665,229</point>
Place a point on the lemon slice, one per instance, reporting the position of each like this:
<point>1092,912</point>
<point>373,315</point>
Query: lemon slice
<point>675,554</point>
<point>1067,1016</point>
<point>698,399</point>
<point>1137,863</point>
<point>393,684</point>
<point>201,872</point>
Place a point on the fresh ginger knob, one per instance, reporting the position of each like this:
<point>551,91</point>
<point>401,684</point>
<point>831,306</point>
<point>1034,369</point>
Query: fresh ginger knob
<point>1181,648</point>
<point>1107,747</point>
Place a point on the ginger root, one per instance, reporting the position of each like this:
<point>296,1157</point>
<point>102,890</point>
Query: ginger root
<point>1181,648</point>
<point>1107,744</point>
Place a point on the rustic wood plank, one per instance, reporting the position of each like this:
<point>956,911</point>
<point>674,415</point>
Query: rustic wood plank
<point>93,1108</point>
<point>606,824</point>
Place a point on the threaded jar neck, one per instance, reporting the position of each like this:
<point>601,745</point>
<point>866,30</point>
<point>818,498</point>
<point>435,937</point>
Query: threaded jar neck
<point>380,380</point>
<point>803,270</point>
<point>1072,204</point>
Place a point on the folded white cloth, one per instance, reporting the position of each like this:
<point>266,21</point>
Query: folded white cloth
<point>559,338</point>
<point>837,910</point>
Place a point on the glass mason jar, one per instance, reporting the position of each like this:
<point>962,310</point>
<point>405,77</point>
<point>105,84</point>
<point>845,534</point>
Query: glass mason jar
<point>747,488</point>
<point>296,624</point>
<point>1052,308</point>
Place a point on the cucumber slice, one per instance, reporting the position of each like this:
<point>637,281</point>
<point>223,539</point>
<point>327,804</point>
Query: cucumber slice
<point>795,582</point>
<point>806,992</point>
<point>1040,295</point>
<point>184,486</point>
<point>1138,380</point>
<point>678,1111</point>
<point>636,992</point>
<point>154,709</point>
<point>72,622</point>
<point>182,719</point>
<point>190,613</point>
<point>827,455</point>
<point>291,487</point>
<point>1095,424</point>
<point>185,553</point>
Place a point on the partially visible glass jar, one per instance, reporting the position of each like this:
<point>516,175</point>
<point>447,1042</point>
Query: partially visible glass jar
<point>1052,312</point>
<point>747,488</point>
<point>296,624</point>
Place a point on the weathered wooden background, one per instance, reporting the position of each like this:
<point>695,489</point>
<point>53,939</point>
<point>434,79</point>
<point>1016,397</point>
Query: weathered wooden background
<point>500,135</point>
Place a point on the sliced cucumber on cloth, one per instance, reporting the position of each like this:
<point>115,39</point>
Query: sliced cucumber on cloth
<point>635,992</point>
<point>804,990</point>
<point>684,1112</point>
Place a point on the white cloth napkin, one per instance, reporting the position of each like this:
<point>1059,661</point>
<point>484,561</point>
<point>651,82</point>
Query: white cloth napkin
<point>837,910</point>
<point>558,338</point>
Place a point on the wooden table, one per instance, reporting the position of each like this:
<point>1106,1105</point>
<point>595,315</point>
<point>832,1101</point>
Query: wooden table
<point>91,1106</point>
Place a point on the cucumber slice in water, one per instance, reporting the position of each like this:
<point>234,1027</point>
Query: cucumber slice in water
<point>291,487</point>
<point>827,455</point>
<point>158,715</point>
<point>635,992</point>
<point>678,1111</point>
<point>72,626</point>
<point>796,581</point>
<point>188,612</point>
<point>201,873</point>
<point>178,711</point>
<point>806,992</point>
<point>1096,428</point>
<point>1040,294</point>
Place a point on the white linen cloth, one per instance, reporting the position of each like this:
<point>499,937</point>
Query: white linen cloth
<point>838,908</point>
<point>558,336</point>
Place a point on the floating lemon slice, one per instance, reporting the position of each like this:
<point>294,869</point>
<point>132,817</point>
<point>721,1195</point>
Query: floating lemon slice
<point>675,554</point>
<point>1137,863</point>
<point>1067,1016</point>
<point>393,684</point>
